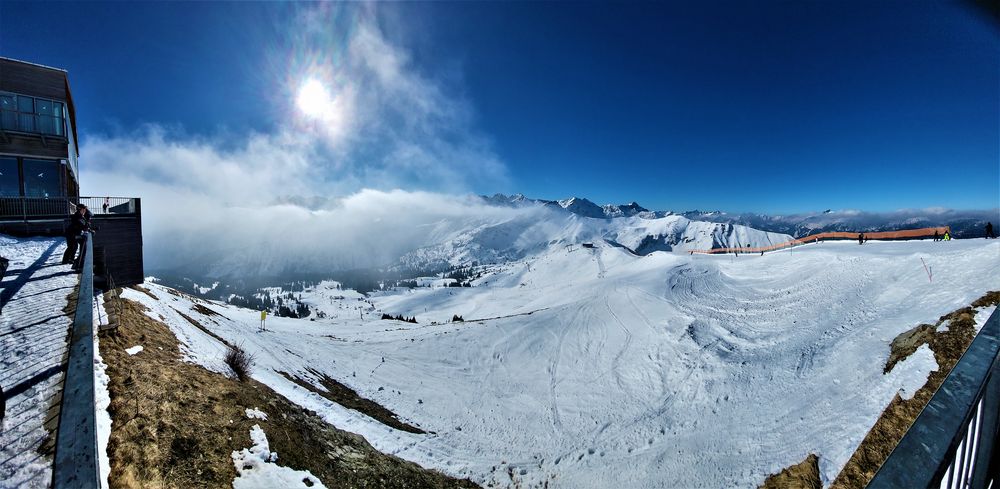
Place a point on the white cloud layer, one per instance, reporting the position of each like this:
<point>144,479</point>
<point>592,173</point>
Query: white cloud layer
<point>322,190</point>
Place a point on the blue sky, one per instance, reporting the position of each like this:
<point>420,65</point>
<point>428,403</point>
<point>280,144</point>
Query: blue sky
<point>757,106</point>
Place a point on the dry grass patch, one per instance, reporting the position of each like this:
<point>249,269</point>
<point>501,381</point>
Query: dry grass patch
<point>948,347</point>
<point>803,475</point>
<point>176,424</point>
<point>349,398</point>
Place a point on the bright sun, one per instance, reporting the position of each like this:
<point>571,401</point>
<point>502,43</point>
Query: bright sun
<point>313,99</point>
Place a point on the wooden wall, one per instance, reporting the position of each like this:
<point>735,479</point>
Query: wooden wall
<point>32,80</point>
<point>118,249</point>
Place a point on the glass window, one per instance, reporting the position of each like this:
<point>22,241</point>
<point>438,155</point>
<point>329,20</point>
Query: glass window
<point>8,113</point>
<point>42,178</point>
<point>9,184</point>
<point>43,107</point>
<point>25,104</point>
<point>60,125</point>
<point>26,122</point>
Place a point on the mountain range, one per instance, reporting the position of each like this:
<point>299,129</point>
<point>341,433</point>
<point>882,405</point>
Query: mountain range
<point>963,223</point>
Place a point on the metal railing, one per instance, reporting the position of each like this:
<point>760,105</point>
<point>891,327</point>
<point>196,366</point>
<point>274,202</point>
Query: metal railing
<point>76,461</point>
<point>832,235</point>
<point>954,441</point>
<point>38,208</point>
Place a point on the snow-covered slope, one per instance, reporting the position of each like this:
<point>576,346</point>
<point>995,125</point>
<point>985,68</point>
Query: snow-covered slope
<point>582,368</point>
<point>544,228</point>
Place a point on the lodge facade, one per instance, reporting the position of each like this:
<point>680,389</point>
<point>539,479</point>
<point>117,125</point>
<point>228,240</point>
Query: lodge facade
<point>38,140</point>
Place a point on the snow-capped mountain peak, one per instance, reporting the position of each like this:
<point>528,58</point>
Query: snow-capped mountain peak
<point>582,207</point>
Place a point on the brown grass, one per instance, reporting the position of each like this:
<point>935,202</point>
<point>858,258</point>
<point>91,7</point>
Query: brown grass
<point>948,347</point>
<point>204,329</point>
<point>347,397</point>
<point>144,291</point>
<point>240,361</point>
<point>803,475</point>
<point>175,424</point>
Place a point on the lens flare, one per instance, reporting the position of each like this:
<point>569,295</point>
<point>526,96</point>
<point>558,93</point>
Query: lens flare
<point>313,99</point>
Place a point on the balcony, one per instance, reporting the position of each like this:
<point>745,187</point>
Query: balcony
<point>117,222</point>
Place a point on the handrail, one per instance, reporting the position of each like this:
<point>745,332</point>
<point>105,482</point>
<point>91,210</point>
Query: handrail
<point>904,234</point>
<point>18,208</point>
<point>76,438</point>
<point>953,442</point>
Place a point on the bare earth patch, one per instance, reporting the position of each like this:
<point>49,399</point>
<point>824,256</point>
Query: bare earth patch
<point>948,347</point>
<point>803,475</point>
<point>176,424</point>
<point>347,397</point>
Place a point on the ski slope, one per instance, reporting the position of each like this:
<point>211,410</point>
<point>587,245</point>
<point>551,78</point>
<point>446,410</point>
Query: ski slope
<point>600,368</point>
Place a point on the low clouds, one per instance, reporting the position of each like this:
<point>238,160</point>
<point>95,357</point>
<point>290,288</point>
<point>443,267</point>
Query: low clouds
<point>322,190</point>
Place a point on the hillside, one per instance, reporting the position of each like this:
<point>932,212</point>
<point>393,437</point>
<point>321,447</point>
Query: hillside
<point>579,367</point>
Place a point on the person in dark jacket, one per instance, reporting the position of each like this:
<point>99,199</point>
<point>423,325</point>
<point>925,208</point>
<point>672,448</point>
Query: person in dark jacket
<point>861,238</point>
<point>78,224</point>
<point>989,231</point>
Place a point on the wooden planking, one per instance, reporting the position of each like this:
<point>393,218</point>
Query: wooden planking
<point>34,146</point>
<point>118,248</point>
<point>30,79</point>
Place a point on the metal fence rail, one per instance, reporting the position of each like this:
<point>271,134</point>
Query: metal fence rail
<point>954,441</point>
<point>37,208</point>
<point>831,235</point>
<point>76,438</point>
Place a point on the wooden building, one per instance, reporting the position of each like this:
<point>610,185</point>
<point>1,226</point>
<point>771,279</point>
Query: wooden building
<point>38,141</point>
<point>39,174</point>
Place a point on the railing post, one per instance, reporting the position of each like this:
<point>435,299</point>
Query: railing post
<point>76,462</point>
<point>989,432</point>
<point>927,450</point>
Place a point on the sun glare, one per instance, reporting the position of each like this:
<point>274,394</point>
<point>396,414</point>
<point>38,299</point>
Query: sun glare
<point>313,98</point>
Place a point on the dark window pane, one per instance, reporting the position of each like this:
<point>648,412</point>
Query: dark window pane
<point>26,122</point>
<point>46,125</point>
<point>8,177</point>
<point>25,104</point>
<point>41,178</point>
<point>8,120</point>
<point>57,108</point>
<point>8,113</point>
<point>43,107</point>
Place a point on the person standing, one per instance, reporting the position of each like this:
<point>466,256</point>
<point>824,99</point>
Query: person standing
<point>989,231</point>
<point>947,236</point>
<point>937,237</point>
<point>861,238</point>
<point>78,224</point>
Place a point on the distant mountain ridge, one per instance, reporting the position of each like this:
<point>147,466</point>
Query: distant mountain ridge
<point>963,223</point>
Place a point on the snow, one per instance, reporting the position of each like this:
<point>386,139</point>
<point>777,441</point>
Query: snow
<point>255,413</point>
<point>102,397</point>
<point>34,334</point>
<point>598,368</point>
<point>918,366</point>
<point>256,467</point>
<point>982,315</point>
<point>134,350</point>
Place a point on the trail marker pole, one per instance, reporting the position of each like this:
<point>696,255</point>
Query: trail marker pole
<point>930,276</point>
